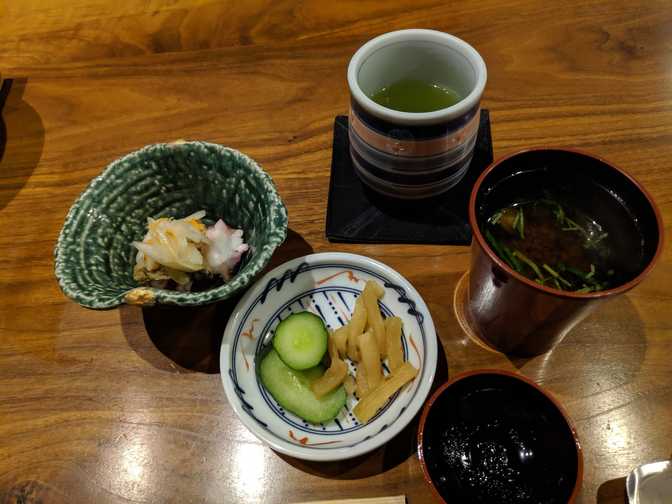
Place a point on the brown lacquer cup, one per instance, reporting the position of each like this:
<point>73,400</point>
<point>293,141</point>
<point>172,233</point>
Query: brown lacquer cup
<point>515,314</point>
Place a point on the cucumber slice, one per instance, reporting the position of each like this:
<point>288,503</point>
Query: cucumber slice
<point>301,340</point>
<point>291,388</point>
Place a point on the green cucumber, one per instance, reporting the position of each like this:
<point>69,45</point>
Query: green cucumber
<point>301,340</point>
<point>291,388</point>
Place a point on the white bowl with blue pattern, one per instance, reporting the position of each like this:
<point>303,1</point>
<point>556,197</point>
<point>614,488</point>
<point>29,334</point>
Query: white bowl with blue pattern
<point>326,284</point>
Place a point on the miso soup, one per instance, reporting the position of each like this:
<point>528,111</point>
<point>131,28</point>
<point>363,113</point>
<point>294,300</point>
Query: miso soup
<point>553,244</point>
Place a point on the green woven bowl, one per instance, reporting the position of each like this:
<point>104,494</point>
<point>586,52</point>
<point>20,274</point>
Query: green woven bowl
<point>94,256</point>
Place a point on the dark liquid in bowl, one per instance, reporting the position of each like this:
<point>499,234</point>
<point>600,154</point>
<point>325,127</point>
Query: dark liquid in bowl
<point>555,245</point>
<point>610,237</point>
<point>491,438</point>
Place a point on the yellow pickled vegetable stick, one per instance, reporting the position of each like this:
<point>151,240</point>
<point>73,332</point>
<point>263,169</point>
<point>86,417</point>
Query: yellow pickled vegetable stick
<point>349,384</point>
<point>353,347</point>
<point>332,349</point>
<point>395,354</point>
<point>362,384</point>
<point>358,320</point>
<point>340,337</point>
<point>367,406</point>
<point>333,376</point>
<point>368,350</point>
<point>378,289</point>
<point>374,319</point>
<point>356,328</point>
<point>367,339</point>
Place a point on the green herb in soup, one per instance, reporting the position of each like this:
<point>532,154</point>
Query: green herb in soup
<point>413,95</point>
<point>552,245</point>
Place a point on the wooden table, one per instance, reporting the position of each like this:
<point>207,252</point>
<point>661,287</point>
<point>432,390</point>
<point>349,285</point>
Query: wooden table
<point>117,407</point>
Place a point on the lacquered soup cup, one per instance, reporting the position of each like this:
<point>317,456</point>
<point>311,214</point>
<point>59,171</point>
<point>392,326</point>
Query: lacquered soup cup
<point>517,315</point>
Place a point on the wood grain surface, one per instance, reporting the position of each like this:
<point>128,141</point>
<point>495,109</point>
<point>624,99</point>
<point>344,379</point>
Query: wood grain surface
<point>127,405</point>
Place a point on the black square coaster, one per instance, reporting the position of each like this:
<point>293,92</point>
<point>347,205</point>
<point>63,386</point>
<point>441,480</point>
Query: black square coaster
<point>356,214</point>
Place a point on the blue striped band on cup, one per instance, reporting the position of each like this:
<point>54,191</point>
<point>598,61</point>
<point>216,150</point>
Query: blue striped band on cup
<point>409,154</point>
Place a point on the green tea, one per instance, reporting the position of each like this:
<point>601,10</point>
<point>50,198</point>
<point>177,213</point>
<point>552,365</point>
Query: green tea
<point>413,95</point>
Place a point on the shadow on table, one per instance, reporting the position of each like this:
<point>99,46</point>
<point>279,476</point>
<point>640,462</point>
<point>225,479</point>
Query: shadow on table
<point>188,339</point>
<point>381,460</point>
<point>294,246</point>
<point>21,139</point>
<point>612,492</point>
<point>177,339</point>
<point>5,87</point>
<point>613,327</point>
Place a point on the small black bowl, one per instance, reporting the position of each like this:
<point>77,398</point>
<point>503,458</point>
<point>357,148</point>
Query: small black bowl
<point>493,436</point>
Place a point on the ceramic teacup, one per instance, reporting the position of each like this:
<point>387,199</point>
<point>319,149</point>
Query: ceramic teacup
<point>414,154</point>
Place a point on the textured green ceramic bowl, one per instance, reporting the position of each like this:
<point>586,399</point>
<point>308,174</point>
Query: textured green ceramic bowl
<point>94,256</point>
